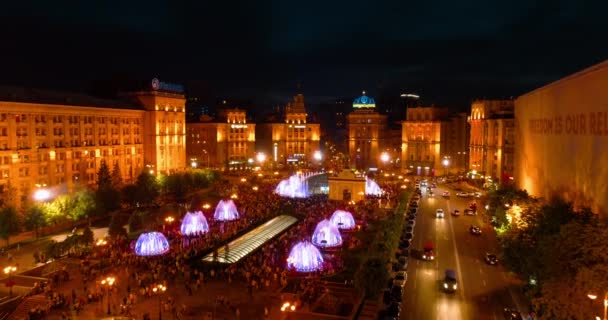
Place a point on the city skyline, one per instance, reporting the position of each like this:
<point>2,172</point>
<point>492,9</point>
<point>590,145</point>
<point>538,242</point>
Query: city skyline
<point>448,53</point>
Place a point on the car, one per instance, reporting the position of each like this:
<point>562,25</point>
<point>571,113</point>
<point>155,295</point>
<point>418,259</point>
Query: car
<point>404,244</point>
<point>431,194</point>
<point>413,205</point>
<point>400,279</point>
<point>439,213</point>
<point>393,311</point>
<point>456,213</point>
<point>433,185</point>
<point>475,230</point>
<point>446,194</point>
<point>469,212</point>
<point>409,229</point>
<point>477,194</point>
<point>450,284</point>
<point>411,218</point>
<point>411,223</point>
<point>491,259</point>
<point>462,194</point>
<point>428,252</point>
<point>473,206</point>
<point>397,293</point>
<point>512,314</point>
<point>409,235</point>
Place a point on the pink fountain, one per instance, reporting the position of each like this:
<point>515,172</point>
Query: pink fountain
<point>326,235</point>
<point>226,211</point>
<point>194,223</point>
<point>305,257</point>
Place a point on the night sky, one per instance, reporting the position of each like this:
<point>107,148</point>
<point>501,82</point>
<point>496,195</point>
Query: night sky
<point>447,51</point>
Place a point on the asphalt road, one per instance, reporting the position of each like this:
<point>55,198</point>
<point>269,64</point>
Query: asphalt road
<point>483,290</point>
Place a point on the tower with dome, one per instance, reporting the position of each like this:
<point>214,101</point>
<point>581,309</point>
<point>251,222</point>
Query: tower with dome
<point>366,133</point>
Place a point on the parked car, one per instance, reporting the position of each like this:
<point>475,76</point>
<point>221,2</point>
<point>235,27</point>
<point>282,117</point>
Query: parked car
<point>400,279</point>
<point>456,213</point>
<point>462,194</point>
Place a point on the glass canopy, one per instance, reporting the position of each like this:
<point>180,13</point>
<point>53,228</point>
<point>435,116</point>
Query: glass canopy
<point>252,240</point>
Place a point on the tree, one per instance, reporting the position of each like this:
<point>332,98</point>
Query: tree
<point>147,188</point>
<point>129,194</point>
<point>35,218</point>
<point>9,223</point>
<point>106,196</point>
<point>116,229</point>
<point>116,177</point>
<point>87,236</point>
<point>372,276</point>
<point>84,205</point>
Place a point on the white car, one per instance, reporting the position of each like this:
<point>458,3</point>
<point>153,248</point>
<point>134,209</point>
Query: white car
<point>462,194</point>
<point>400,279</point>
<point>439,213</point>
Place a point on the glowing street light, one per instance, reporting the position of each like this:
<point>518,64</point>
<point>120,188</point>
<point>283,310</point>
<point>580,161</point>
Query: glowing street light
<point>234,196</point>
<point>169,219</point>
<point>254,188</point>
<point>108,283</point>
<point>260,157</point>
<point>42,195</point>
<point>317,155</point>
<point>159,289</point>
<point>101,242</point>
<point>385,157</point>
<point>206,206</point>
<point>593,296</point>
<point>194,164</point>
<point>446,163</point>
<point>8,271</point>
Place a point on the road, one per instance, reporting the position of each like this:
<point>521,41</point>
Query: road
<point>483,290</point>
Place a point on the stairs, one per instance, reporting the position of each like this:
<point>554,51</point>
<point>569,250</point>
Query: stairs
<point>21,313</point>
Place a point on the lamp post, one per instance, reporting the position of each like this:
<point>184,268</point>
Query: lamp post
<point>158,290</point>
<point>168,220</point>
<point>593,296</point>
<point>8,271</point>
<point>446,163</point>
<point>385,157</point>
<point>207,155</point>
<point>108,283</point>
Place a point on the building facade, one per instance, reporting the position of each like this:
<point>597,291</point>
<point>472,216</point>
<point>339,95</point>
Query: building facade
<point>562,139</point>
<point>422,147</point>
<point>491,148</point>
<point>58,140</point>
<point>292,142</point>
<point>455,136</point>
<point>366,133</point>
<point>227,142</point>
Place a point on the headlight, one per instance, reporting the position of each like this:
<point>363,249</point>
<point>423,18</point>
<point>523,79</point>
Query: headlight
<point>455,286</point>
<point>432,257</point>
<point>423,256</point>
<point>445,285</point>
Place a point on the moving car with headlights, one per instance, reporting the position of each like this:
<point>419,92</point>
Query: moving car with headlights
<point>439,213</point>
<point>428,251</point>
<point>469,212</point>
<point>475,230</point>
<point>456,213</point>
<point>446,194</point>
<point>491,259</point>
<point>450,284</point>
<point>462,194</point>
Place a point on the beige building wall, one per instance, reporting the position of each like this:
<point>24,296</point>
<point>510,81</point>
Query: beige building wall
<point>366,132</point>
<point>421,141</point>
<point>562,139</point>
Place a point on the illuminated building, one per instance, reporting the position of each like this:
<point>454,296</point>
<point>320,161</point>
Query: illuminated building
<point>59,139</point>
<point>434,142</point>
<point>562,139</point>
<point>491,152</point>
<point>422,145</point>
<point>293,141</point>
<point>228,142</point>
<point>366,131</point>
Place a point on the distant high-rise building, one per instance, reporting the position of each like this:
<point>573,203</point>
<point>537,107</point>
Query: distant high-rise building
<point>292,141</point>
<point>366,133</point>
<point>492,138</point>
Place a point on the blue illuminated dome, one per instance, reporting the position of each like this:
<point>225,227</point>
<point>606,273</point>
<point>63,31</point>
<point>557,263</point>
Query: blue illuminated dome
<point>151,244</point>
<point>343,220</point>
<point>326,235</point>
<point>364,102</point>
<point>194,223</point>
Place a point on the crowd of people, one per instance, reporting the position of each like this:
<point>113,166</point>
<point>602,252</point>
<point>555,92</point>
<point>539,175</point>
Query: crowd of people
<point>182,266</point>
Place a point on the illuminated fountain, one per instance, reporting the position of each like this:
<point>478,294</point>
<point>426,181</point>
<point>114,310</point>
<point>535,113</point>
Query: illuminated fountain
<point>151,244</point>
<point>372,188</point>
<point>343,220</point>
<point>295,186</point>
<point>194,223</point>
<point>304,257</point>
<point>326,235</point>
<point>226,211</point>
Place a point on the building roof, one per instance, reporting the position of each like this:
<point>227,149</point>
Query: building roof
<point>364,102</point>
<point>44,96</point>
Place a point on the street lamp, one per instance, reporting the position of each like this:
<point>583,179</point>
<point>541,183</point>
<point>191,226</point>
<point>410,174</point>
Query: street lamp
<point>260,157</point>
<point>108,283</point>
<point>317,155</point>
<point>446,163</point>
<point>159,289</point>
<point>593,296</point>
<point>42,195</point>
<point>8,271</point>
<point>168,220</point>
<point>385,157</point>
